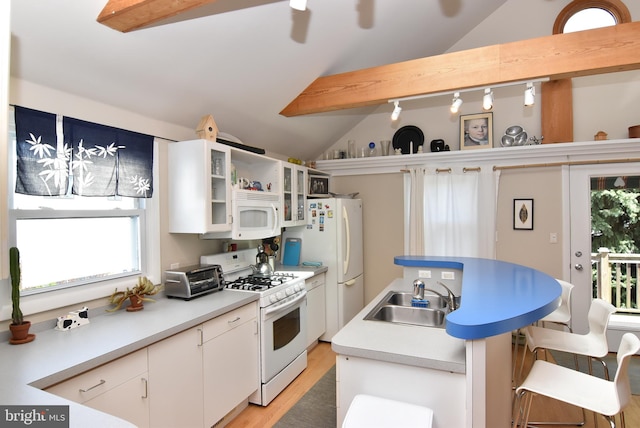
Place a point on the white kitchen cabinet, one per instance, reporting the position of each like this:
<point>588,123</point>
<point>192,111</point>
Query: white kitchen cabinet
<point>230,362</point>
<point>316,296</point>
<point>201,374</point>
<point>199,180</point>
<point>175,371</point>
<point>294,194</point>
<point>119,388</point>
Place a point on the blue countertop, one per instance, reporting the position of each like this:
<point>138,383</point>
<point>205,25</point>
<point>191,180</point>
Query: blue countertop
<point>497,296</point>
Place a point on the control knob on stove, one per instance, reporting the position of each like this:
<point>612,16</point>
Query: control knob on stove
<point>297,288</point>
<point>280,295</point>
<point>289,291</point>
<point>273,298</point>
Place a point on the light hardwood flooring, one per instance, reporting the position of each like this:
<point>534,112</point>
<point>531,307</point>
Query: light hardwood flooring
<point>321,358</point>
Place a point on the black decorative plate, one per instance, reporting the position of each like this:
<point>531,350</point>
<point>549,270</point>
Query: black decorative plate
<point>404,136</point>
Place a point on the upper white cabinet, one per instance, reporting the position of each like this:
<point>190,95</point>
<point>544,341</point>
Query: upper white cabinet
<point>199,187</point>
<point>294,194</point>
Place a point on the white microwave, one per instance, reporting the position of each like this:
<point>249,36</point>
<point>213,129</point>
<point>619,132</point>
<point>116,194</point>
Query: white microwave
<point>255,214</point>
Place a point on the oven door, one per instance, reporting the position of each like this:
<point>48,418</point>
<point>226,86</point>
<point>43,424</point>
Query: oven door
<point>283,334</point>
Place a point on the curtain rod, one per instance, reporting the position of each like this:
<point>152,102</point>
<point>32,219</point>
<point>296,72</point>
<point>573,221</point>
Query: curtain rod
<point>438,170</point>
<point>588,162</point>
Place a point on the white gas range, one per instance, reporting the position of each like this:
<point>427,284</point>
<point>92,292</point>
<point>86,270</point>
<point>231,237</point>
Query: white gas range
<point>283,319</point>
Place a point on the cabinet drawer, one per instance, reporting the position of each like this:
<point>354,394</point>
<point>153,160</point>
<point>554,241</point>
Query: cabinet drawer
<point>315,281</point>
<point>228,321</point>
<point>90,384</point>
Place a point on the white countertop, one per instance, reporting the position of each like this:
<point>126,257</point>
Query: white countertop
<point>58,355</point>
<point>419,346</point>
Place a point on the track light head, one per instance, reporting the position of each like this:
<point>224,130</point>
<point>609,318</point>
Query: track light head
<point>396,110</point>
<point>456,103</point>
<point>487,100</point>
<point>530,95</point>
<point>298,4</point>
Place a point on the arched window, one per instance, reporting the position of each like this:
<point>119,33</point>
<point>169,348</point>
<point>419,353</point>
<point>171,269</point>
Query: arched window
<point>587,14</point>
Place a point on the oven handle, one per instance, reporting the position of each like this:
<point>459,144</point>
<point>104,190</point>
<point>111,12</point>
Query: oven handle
<point>275,308</point>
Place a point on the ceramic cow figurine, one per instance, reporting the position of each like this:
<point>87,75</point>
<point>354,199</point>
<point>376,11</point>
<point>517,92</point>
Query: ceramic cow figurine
<point>73,319</point>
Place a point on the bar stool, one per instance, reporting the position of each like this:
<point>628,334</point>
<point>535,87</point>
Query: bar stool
<point>605,397</point>
<point>367,411</point>
<point>561,316</point>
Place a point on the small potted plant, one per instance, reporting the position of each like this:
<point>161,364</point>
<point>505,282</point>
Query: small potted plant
<point>136,295</point>
<point>19,327</point>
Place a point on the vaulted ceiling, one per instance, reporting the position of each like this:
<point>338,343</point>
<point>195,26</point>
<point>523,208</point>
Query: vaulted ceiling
<point>242,61</point>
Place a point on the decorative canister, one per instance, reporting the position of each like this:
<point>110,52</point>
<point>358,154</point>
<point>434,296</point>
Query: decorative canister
<point>634,131</point>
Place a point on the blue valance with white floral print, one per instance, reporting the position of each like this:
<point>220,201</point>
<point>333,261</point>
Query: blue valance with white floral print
<point>58,155</point>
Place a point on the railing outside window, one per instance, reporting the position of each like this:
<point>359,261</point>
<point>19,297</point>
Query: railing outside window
<point>615,279</point>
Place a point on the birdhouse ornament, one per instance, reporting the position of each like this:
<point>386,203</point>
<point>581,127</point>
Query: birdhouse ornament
<point>207,128</point>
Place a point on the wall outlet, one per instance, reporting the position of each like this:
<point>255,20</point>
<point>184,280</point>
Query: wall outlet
<point>174,265</point>
<point>448,275</point>
<point>424,274</point>
<point>553,238</point>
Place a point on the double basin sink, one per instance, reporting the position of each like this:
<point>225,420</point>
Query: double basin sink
<point>396,307</point>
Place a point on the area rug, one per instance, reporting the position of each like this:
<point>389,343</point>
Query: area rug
<point>565,359</point>
<point>316,408</point>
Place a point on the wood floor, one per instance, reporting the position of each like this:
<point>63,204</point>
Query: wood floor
<point>321,358</point>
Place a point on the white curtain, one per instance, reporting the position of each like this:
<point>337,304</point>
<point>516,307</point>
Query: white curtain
<point>451,212</point>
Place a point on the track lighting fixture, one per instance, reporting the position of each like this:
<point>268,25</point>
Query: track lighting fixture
<point>530,94</point>
<point>396,110</point>
<point>298,4</point>
<point>487,100</point>
<point>456,103</point>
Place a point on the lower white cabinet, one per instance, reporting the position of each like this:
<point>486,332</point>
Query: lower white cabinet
<point>119,388</point>
<point>189,380</point>
<point>200,375</point>
<point>230,362</point>
<point>316,318</point>
<point>175,371</point>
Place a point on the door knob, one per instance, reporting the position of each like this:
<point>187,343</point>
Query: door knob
<point>578,266</point>
<point>578,253</point>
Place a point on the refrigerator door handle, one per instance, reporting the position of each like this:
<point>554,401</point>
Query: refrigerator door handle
<point>345,217</point>
<point>350,282</point>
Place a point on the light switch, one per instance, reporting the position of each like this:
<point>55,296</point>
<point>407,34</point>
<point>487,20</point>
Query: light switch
<point>553,238</point>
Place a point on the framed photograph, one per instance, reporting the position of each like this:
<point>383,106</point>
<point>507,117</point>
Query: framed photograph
<point>523,214</point>
<point>318,186</point>
<point>476,131</point>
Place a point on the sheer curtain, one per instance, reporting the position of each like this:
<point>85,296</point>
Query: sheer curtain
<point>451,212</point>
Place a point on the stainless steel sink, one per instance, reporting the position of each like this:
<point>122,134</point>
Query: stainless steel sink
<point>396,307</point>
<point>408,315</point>
<point>400,298</point>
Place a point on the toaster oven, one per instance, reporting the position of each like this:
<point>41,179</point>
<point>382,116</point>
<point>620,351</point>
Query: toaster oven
<point>192,281</point>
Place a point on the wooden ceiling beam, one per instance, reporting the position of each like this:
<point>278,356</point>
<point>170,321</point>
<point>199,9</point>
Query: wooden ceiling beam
<point>129,15</point>
<point>560,56</point>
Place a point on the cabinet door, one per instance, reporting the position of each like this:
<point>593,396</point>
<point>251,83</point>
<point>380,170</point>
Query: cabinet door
<point>301,194</point>
<point>128,401</point>
<point>175,387</point>
<point>230,370</point>
<point>316,296</point>
<point>199,181</point>
<point>294,194</point>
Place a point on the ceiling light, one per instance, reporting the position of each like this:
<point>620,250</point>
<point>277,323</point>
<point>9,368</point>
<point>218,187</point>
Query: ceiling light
<point>530,95</point>
<point>456,103</point>
<point>298,4</point>
<point>487,100</point>
<point>396,110</point>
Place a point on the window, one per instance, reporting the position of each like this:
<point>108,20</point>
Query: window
<point>79,245</point>
<point>588,14</point>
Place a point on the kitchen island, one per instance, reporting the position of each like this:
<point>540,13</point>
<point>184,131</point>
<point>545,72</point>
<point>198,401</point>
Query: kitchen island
<point>462,372</point>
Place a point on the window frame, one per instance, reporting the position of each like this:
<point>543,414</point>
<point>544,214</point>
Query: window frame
<point>148,213</point>
<point>615,7</point>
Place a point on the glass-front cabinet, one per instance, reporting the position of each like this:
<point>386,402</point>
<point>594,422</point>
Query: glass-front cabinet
<point>294,194</point>
<point>199,187</point>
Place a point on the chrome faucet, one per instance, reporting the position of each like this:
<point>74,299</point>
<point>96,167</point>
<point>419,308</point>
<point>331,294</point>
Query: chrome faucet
<point>418,289</point>
<point>452,297</point>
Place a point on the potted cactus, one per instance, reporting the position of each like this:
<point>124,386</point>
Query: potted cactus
<point>136,295</point>
<point>19,327</point>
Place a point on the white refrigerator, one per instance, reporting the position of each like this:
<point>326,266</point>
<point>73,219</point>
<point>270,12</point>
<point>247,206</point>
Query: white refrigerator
<point>333,236</point>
